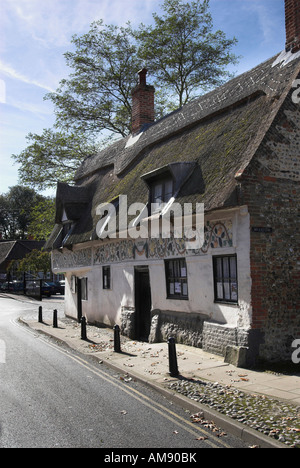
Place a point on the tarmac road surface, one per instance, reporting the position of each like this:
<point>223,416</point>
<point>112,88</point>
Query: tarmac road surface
<point>54,397</point>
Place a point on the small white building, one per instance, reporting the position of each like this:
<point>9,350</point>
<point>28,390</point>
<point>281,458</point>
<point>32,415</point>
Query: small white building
<point>235,150</point>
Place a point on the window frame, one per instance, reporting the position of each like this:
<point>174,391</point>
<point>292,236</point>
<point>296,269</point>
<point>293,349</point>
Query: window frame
<point>163,180</point>
<point>66,230</point>
<point>221,280</point>
<point>106,286</point>
<point>177,265</point>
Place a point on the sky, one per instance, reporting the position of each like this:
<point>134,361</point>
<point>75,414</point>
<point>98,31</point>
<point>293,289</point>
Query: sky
<point>34,35</point>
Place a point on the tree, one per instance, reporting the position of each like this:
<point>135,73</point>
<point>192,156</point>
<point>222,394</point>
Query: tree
<point>180,50</point>
<point>97,94</point>
<point>5,217</point>
<point>34,262</point>
<point>42,219</point>
<point>53,156</point>
<point>183,53</point>
<point>15,208</point>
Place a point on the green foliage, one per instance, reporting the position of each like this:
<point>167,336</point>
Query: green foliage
<point>34,262</point>
<point>42,219</point>
<point>15,209</point>
<point>52,156</point>
<point>182,51</point>
<point>183,55</point>
<point>97,94</point>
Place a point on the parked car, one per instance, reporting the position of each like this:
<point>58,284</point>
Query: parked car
<point>14,286</point>
<point>34,286</point>
<point>47,289</point>
<point>57,287</point>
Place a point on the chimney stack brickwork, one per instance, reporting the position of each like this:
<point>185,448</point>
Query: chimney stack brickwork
<point>142,103</point>
<point>292,25</point>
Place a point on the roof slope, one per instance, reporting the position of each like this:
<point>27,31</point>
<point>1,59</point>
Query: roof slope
<point>266,79</point>
<point>219,132</point>
<point>5,249</point>
<point>17,249</point>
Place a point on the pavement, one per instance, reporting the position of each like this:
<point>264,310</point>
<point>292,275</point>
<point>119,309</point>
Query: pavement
<point>149,363</point>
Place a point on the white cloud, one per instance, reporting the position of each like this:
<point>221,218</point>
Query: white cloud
<point>12,73</point>
<point>54,22</point>
<point>2,92</point>
<point>267,17</point>
<point>36,33</point>
<point>39,110</point>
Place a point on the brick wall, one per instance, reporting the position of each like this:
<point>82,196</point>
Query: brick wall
<point>142,106</point>
<point>271,189</point>
<point>292,24</point>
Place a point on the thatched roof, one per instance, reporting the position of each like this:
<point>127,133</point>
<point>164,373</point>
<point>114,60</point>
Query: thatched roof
<point>216,135</point>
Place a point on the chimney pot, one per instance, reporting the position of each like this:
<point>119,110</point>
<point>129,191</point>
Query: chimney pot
<point>142,74</point>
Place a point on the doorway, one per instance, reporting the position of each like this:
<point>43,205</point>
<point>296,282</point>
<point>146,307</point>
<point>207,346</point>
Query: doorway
<point>143,303</point>
<point>82,295</point>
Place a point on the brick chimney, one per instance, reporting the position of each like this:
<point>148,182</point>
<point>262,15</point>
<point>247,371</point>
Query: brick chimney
<point>142,103</point>
<point>292,25</point>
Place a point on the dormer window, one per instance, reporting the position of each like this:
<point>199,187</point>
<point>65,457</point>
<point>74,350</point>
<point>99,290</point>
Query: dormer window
<point>67,227</point>
<point>165,183</point>
<point>66,231</point>
<point>161,191</point>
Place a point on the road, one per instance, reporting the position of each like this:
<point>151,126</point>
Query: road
<point>53,397</point>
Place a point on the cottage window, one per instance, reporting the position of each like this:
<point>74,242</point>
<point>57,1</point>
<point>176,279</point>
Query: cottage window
<point>161,192</point>
<point>225,278</point>
<point>176,278</point>
<point>67,229</point>
<point>106,277</point>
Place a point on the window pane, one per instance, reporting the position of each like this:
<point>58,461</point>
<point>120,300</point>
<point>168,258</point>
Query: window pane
<point>233,268</point>
<point>177,287</point>
<point>226,268</point>
<point>219,268</point>
<point>158,193</point>
<point>234,292</point>
<point>177,269</point>
<point>220,291</point>
<point>227,291</point>
<point>184,289</point>
<point>176,274</point>
<point>168,190</point>
<point>171,272</point>
<point>225,278</point>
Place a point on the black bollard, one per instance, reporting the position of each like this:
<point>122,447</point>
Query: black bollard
<point>117,342</point>
<point>40,314</point>
<point>173,367</point>
<point>83,328</point>
<point>55,319</point>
